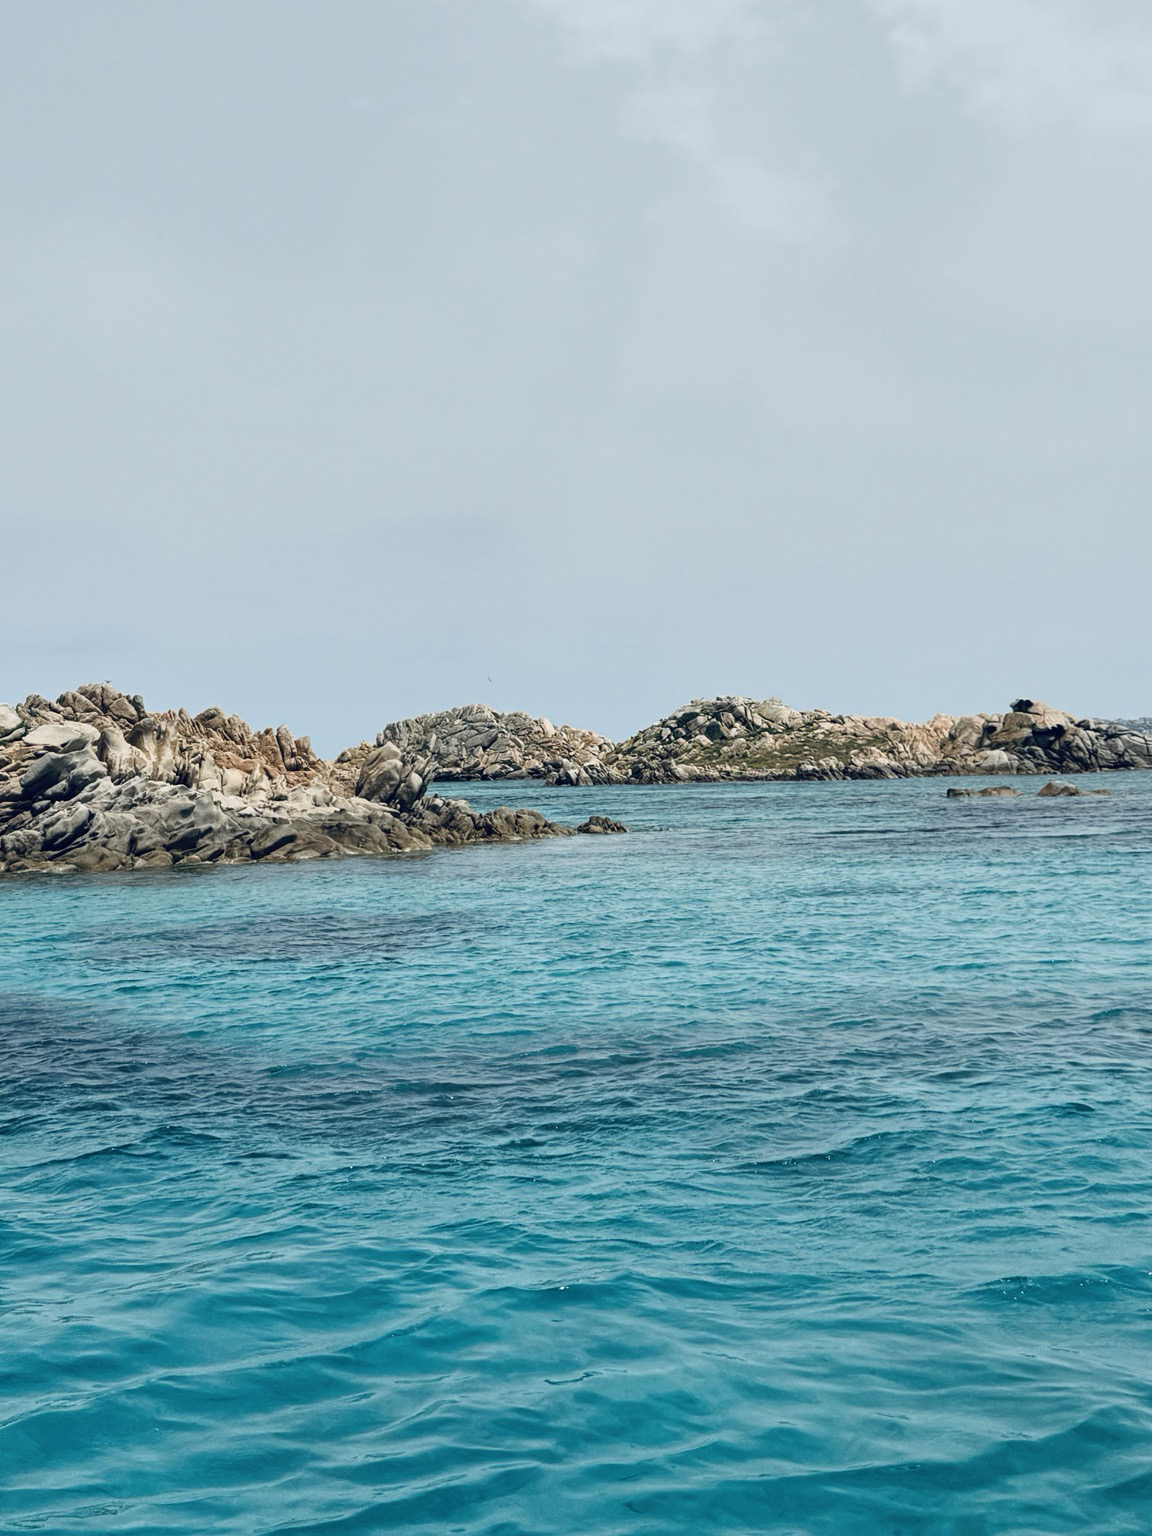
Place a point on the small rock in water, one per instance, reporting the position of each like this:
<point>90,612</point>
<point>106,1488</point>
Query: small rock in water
<point>998,790</point>
<point>601,824</point>
<point>1057,787</point>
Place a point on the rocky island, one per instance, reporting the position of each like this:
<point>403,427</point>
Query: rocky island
<point>735,738</point>
<point>95,781</point>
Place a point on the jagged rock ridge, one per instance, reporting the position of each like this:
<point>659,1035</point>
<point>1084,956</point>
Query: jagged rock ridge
<point>475,742</point>
<point>95,781</point>
<point>736,738</point>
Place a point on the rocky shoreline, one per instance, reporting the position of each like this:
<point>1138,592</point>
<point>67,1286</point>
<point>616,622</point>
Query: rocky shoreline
<point>95,781</point>
<point>735,739</point>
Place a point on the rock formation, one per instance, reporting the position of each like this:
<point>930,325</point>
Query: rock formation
<point>737,738</point>
<point>733,738</point>
<point>475,742</point>
<point>95,781</point>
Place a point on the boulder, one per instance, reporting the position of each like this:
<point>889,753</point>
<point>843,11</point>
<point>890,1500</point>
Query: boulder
<point>1055,787</point>
<point>600,824</point>
<point>69,736</point>
<point>389,778</point>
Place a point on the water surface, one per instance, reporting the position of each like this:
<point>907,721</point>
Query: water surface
<point>782,1167</point>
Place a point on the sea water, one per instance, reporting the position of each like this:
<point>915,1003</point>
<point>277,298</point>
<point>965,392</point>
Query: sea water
<point>784,1166</point>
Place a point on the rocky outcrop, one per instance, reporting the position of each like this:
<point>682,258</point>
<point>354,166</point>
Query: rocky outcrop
<point>94,781</point>
<point>475,742</point>
<point>739,738</point>
<point>601,824</point>
<point>736,738</point>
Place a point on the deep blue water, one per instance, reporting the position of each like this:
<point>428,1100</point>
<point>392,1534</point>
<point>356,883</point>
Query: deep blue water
<point>785,1166</point>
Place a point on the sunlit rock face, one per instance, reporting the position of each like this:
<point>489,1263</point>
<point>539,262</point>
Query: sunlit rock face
<point>94,781</point>
<point>476,742</point>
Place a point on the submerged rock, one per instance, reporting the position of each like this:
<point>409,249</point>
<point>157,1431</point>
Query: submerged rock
<point>1057,788</point>
<point>999,790</point>
<point>93,781</point>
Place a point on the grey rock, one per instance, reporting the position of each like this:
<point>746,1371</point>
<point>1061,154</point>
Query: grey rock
<point>1055,787</point>
<point>69,736</point>
<point>474,741</point>
<point>64,825</point>
<point>389,777</point>
<point>60,775</point>
<point>737,738</point>
<point>272,840</point>
<point>94,782</point>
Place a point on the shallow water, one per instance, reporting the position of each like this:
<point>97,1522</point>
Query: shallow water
<point>782,1167</point>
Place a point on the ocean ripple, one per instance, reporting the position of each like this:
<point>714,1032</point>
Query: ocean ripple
<point>784,1170</point>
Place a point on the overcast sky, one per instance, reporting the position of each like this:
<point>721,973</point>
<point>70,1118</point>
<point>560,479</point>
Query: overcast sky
<point>580,356</point>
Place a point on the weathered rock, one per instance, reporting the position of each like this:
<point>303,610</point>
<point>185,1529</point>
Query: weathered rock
<point>736,738</point>
<point>476,742</point>
<point>596,824</point>
<point>68,736</point>
<point>60,775</point>
<point>95,782</point>
<point>10,723</point>
<point>390,778</point>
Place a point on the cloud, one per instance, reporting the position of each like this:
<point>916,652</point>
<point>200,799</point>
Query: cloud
<point>764,198</point>
<point>635,30</point>
<point>677,51</point>
<point>1031,63</point>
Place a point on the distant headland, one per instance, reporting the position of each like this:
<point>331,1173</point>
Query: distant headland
<point>95,781</point>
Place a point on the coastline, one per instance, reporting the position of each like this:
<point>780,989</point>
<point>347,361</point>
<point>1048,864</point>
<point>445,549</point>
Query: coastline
<point>95,781</point>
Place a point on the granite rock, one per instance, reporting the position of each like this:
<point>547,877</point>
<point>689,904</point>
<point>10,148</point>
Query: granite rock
<point>94,781</point>
<point>734,738</point>
<point>476,742</point>
<point>737,738</point>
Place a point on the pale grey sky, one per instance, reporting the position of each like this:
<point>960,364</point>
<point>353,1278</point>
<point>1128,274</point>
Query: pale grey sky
<point>361,359</point>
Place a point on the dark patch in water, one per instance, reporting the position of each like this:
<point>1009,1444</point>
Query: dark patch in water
<point>310,936</point>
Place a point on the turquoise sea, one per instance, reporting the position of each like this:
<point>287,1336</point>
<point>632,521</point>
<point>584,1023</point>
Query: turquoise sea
<point>783,1167</point>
